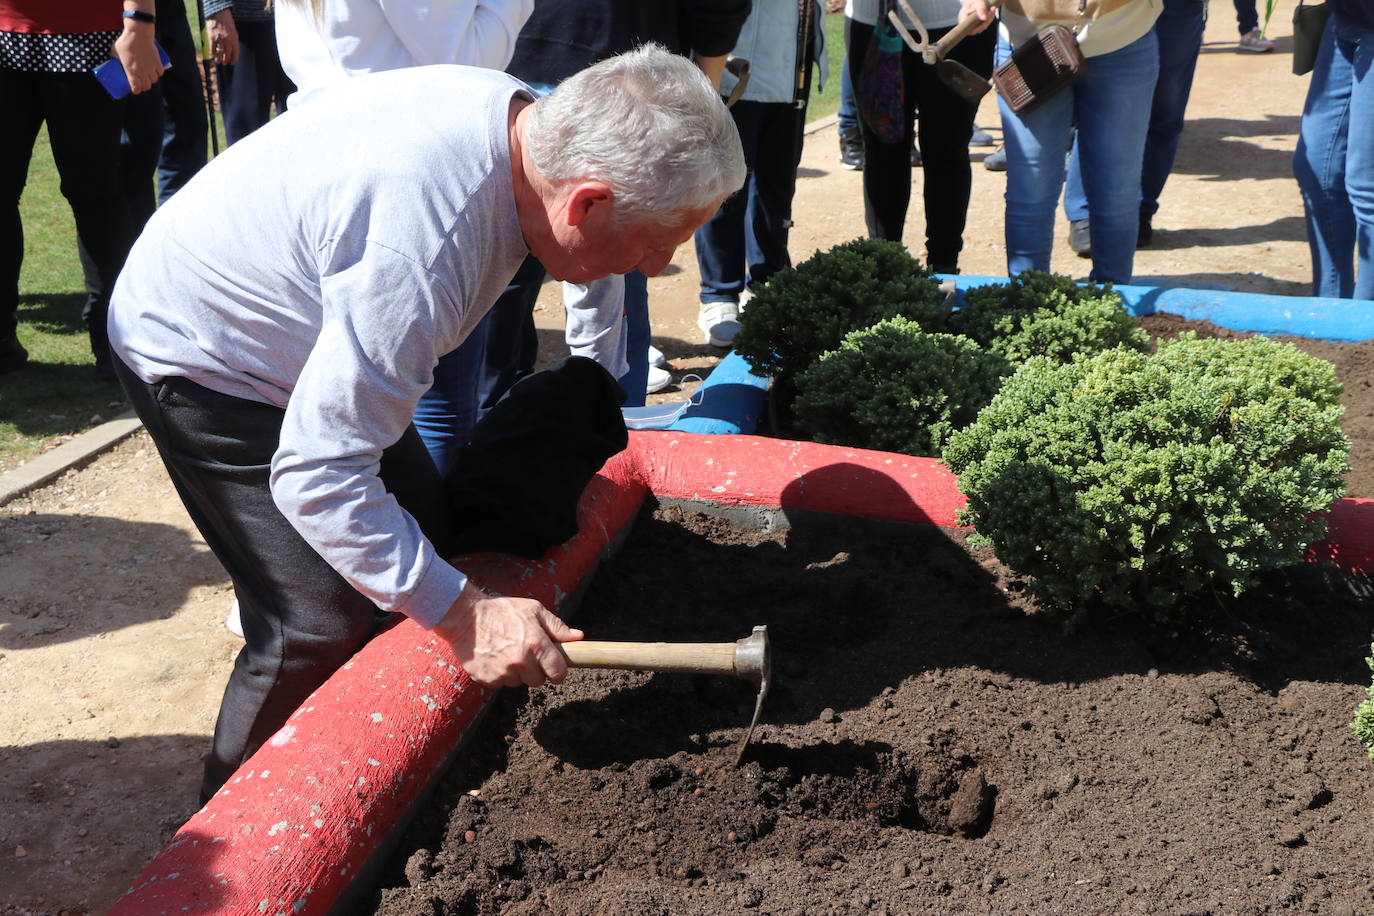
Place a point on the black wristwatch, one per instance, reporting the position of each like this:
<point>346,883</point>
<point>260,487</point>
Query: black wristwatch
<point>139,16</point>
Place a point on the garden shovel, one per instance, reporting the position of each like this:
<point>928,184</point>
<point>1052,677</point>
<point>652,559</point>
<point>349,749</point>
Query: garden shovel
<point>749,658</point>
<point>952,73</point>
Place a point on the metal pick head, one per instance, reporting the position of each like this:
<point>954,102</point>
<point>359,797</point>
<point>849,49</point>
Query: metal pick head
<point>754,661</point>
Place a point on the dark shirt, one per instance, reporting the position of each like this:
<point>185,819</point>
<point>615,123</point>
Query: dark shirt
<point>565,36</point>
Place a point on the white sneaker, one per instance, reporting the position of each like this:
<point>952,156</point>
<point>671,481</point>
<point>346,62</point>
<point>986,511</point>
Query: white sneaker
<point>744,297</point>
<point>658,380</point>
<point>232,623</point>
<point>719,321</point>
<point>656,357</point>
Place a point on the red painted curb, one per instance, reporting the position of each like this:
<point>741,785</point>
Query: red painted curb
<point>297,822</point>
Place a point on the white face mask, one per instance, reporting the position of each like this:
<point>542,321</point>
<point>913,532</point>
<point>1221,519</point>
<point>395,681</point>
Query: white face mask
<point>660,416</point>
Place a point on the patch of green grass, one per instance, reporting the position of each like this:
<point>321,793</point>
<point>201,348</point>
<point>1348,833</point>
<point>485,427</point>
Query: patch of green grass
<point>57,393</point>
<point>826,102</point>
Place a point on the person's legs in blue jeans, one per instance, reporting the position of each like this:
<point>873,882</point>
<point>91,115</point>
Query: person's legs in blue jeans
<point>636,380</point>
<point>848,114</point>
<point>1112,114</point>
<point>1334,162</point>
<point>772,187</point>
<point>1247,18</point>
<point>250,88</point>
<point>185,146</point>
<point>1110,106</point>
<point>1035,145</point>
<point>1179,33</point>
<point>719,242</point>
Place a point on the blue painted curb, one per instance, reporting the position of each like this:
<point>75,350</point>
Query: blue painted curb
<point>732,400</point>
<point>1298,316</point>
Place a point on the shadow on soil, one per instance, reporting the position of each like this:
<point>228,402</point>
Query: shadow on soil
<point>37,609</point>
<point>911,599</point>
<point>63,795</point>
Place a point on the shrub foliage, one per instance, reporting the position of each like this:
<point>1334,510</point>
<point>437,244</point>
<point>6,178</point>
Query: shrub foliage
<point>896,388</point>
<point>1126,480</point>
<point>801,313</point>
<point>1363,726</point>
<point>1042,314</point>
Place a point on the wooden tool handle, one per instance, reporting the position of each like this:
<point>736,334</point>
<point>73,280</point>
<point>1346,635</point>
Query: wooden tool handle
<point>960,32</point>
<point>691,657</point>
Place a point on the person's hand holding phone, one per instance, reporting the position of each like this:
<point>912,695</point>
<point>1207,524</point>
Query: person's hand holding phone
<point>137,54</point>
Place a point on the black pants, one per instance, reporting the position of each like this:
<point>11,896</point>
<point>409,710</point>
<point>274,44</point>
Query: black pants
<point>301,620</point>
<point>83,127</point>
<point>945,124</point>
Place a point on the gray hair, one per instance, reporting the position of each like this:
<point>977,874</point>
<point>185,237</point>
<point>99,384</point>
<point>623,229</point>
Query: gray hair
<point>649,124</point>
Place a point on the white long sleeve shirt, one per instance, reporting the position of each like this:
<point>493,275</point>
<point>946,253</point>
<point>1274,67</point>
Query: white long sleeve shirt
<point>323,264</point>
<point>367,36</point>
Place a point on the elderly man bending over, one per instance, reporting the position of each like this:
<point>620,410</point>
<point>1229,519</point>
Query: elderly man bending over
<point>278,320</point>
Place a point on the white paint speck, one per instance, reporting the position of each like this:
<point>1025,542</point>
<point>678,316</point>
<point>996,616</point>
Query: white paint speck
<point>276,828</point>
<point>319,823</point>
<point>373,763</point>
<point>377,717</point>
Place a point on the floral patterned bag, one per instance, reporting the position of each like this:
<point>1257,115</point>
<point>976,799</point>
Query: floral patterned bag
<point>878,92</point>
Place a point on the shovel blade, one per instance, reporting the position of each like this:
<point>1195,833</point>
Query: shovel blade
<point>969,85</point>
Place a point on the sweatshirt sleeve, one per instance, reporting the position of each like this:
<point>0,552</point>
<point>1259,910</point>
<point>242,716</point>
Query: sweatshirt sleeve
<point>711,27</point>
<point>355,397</point>
<point>477,33</point>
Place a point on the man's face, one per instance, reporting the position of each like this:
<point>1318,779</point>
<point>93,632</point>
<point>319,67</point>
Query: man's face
<point>588,247</point>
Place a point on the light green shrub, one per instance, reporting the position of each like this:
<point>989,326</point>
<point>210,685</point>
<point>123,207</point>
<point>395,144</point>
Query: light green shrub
<point>1134,481</point>
<point>1042,314</point>
<point>804,312</point>
<point>1363,726</point>
<point>896,388</point>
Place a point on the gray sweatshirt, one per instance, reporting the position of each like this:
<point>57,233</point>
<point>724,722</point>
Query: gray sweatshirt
<point>323,264</point>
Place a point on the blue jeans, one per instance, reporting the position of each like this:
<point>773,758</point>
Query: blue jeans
<point>1110,103</point>
<point>745,242</point>
<point>1334,162</point>
<point>848,114</point>
<point>1247,18</point>
<point>251,88</point>
<point>1179,32</point>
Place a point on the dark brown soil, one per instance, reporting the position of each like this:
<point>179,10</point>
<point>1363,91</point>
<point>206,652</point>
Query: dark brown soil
<point>1354,364</point>
<point>932,745</point>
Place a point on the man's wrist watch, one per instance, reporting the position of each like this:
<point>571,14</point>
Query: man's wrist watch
<point>139,16</point>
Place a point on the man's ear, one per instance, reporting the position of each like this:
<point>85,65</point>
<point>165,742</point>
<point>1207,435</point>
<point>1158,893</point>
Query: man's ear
<point>590,200</point>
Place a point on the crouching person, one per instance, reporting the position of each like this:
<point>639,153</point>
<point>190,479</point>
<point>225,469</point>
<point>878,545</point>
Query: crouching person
<point>279,319</point>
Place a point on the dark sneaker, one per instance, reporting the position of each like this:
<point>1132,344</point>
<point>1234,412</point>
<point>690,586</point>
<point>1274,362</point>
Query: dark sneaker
<point>852,152</point>
<point>12,354</point>
<point>915,155</point>
<point>1080,238</point>
<point>1146,234</point>
<point>980,137</point>
<point>996,161</point>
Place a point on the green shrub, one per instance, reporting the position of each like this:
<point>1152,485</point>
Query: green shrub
<point>801,313</point>
<point>1363,726</point>
<point>1129,480</point>
<point>896,388</point>
<point>1041,314</point>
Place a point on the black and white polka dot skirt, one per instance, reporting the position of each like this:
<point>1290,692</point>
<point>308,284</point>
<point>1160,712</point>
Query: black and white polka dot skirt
<point>43,53</point>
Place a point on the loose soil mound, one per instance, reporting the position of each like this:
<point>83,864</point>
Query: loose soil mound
<point>932,744</point>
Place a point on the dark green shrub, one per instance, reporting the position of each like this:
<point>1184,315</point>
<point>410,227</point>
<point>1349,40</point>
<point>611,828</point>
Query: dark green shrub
<point>1130,480</point>
<point>1041,314</point>
<point>801,313</point>
<point>1363,726</point>
<point>896,388</point>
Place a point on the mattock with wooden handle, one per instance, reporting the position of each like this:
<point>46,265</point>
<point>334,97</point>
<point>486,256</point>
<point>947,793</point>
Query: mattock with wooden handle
<point>749,658</point>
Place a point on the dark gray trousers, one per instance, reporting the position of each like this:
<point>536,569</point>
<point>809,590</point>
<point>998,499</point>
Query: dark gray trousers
<point>301,620</point>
